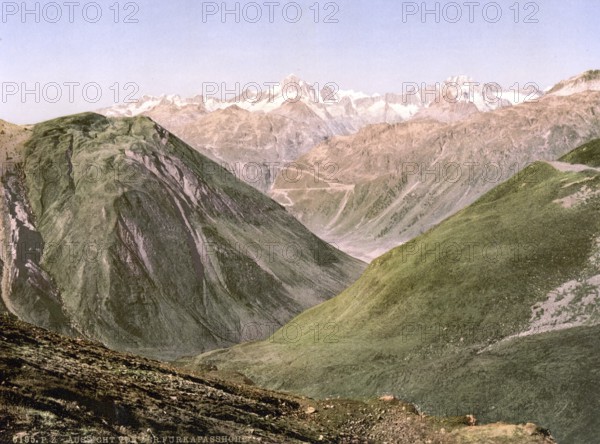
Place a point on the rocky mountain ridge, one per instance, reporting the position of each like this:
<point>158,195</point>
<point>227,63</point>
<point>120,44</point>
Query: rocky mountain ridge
<point>116,230</point>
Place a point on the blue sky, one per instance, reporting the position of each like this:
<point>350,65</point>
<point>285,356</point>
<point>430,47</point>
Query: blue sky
<point>171,49</point>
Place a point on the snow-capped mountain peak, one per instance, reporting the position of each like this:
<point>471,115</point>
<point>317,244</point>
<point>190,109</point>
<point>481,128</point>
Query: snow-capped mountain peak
<point>344,111</point>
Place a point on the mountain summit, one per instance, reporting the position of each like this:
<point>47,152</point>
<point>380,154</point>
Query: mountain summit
<point>117,230</point>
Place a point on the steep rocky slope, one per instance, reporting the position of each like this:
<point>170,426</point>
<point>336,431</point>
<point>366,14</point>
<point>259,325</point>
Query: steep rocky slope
<point>495,310</point>
<point>389,183</point>
<point>56,389</point>
<point>117,230</point>
<point>252,146</point>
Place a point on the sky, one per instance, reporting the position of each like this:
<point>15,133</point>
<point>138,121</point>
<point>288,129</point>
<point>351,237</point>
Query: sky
<point>73,57</point>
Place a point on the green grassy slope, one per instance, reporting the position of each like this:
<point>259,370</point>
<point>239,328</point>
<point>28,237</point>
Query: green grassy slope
<point>150,247</point>
<point>588,154</point>
<point>436,319</point>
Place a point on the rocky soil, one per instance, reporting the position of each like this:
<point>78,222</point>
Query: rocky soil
<point>55,389</point>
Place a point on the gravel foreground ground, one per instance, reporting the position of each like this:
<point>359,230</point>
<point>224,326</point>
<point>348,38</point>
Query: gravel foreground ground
<point>55,389</point>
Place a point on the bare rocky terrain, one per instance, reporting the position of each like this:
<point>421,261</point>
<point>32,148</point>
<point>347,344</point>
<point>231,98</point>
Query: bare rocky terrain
<point>58,389</point>
<point>253,146</point>
<point>389,183</point>
<point>11,138</point>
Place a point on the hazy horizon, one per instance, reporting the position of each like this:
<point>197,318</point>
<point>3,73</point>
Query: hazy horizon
<point>373,48</point>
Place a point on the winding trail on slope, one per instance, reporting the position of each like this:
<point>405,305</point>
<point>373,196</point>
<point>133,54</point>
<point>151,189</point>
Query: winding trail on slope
<point>341,209</point>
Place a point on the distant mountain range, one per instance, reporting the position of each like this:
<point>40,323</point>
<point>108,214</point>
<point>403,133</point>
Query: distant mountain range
<point>343,110</point>
<point>371,172</point>
<point>290,117</point>
<point>389,183</point>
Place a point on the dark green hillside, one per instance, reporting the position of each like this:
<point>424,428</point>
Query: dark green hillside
<point>495,310</point>
<point>588,154</point>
